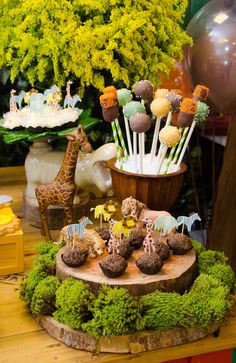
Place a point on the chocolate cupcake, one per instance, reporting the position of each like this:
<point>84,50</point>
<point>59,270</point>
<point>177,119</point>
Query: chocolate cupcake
<point>136,238</point>
<point>113,266</point>
<point>162,250</point>
<point>179,243</point>
<point>188,109</point>
<point>149,264</point>
<point>125,250</point>
<point>103,232</point>
<point>74,257</point>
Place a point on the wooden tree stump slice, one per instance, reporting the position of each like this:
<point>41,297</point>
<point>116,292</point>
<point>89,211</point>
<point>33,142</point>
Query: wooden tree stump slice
<point>177,274</point>
<point>133,343</point>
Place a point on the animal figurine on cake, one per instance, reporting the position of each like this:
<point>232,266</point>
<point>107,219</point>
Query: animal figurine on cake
<point>139,210</point>
<point>62,190</point>
<point>90,240</point>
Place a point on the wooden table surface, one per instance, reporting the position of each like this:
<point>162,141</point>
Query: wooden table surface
<point>23,340</point>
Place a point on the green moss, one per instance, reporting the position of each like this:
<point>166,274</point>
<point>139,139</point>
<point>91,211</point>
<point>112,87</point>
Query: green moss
<point>198,247</point>
<point>163,310</point>
<point>124,41</point>
<point>44,247</point>
<point>73,302</point>
<point>207,302</point>
<point>224,273</point>
<point>115,312</point>
<point>44,297</point>
<point>208,258</point>
<point>29,284</point>
<point>47,258</point>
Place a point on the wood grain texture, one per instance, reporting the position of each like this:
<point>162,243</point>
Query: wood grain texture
<point>133,343</point>
<point>177,274</point>
<point>222,234</point>
<point>158,192</point>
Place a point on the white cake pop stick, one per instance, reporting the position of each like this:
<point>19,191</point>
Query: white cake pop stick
<point>135,151</point>
<point>155,138</point>
<point>169,118</point>
<point>185,144</point>
<point>140,153</point>
<point>162,157</point>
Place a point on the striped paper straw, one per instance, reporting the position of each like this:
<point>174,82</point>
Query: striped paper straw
<point>128,135</point>
<point>171,154</point>
<point>122,141</point>
<point>118,149</point>
<point>186,144</point>
<point>180,145</point>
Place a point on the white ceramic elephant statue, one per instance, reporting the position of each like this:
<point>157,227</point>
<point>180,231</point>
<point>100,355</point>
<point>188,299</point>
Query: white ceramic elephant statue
<point>43,163</point>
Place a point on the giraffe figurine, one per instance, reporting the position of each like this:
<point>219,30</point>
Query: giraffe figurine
<point>62,190</point>
<point>68,97</point>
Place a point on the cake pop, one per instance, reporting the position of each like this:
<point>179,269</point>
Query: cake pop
<point>124,96</point>
<point>140,123</point>
<point>200,93</point>
<point>133,107</point>
<point>144,90</point>
<point>201,113</point>
<point>175,100</point>
<point>169,136</point>
<point>160,107</point>
<point>188,109</point>
<point>161,93</point>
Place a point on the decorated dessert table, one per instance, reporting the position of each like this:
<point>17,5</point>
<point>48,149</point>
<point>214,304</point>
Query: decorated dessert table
<point>21,336</point>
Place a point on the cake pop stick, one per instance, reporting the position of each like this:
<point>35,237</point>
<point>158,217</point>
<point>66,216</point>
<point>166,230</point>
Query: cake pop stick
<point>180,145</point>
<point>199,117</point>
<point>169,137</point>
<point>140,123</point>
<point>159,107</point>
<point>124,96</point>
<point>135,151</point>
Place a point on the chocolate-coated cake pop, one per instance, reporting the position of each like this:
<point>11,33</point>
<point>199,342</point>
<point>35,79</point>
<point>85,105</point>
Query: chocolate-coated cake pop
<point>140,122</point>
<point>188,109</point>
<point>175,100</point>
<point>200,93</point>
<point>110,110</point>
<point>144,90</point>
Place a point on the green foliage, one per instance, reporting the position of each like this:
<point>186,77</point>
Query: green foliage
<point>224,273</point>
<point>44,297</point>
<point>207,302</point>
<point>47,260</point>
<point>73,302</point>
<point>115,312</point>
<point>92,41</point>
<point>29,284</point>
<point>198,247</point>
<point>163,310</point>
<point>209,258</point>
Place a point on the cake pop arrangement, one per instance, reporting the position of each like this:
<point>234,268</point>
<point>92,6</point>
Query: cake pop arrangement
<point>165,156</point>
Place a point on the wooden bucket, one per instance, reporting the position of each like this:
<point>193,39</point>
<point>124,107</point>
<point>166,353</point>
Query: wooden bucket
<point>158,192</point>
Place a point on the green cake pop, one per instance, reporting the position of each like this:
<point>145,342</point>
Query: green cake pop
<point>124,96</point>
<point>133,107</point>
<point>201,113</point>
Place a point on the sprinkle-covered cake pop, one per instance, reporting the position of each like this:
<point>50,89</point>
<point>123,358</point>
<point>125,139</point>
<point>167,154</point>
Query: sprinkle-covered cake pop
<point>110,89</point>
<point>201,113</point>
<point>169,136</point>
<point>124,96</point>
<point>160,107</point>
<point>177,90</point>
<point>109,105</point>
<point>188,109</point>
<point>140,122</point>
<point>133,107</point>
<point>200,93</point>
<point>161,93</point>
<point>175,100</point>
<point>144,90</point>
